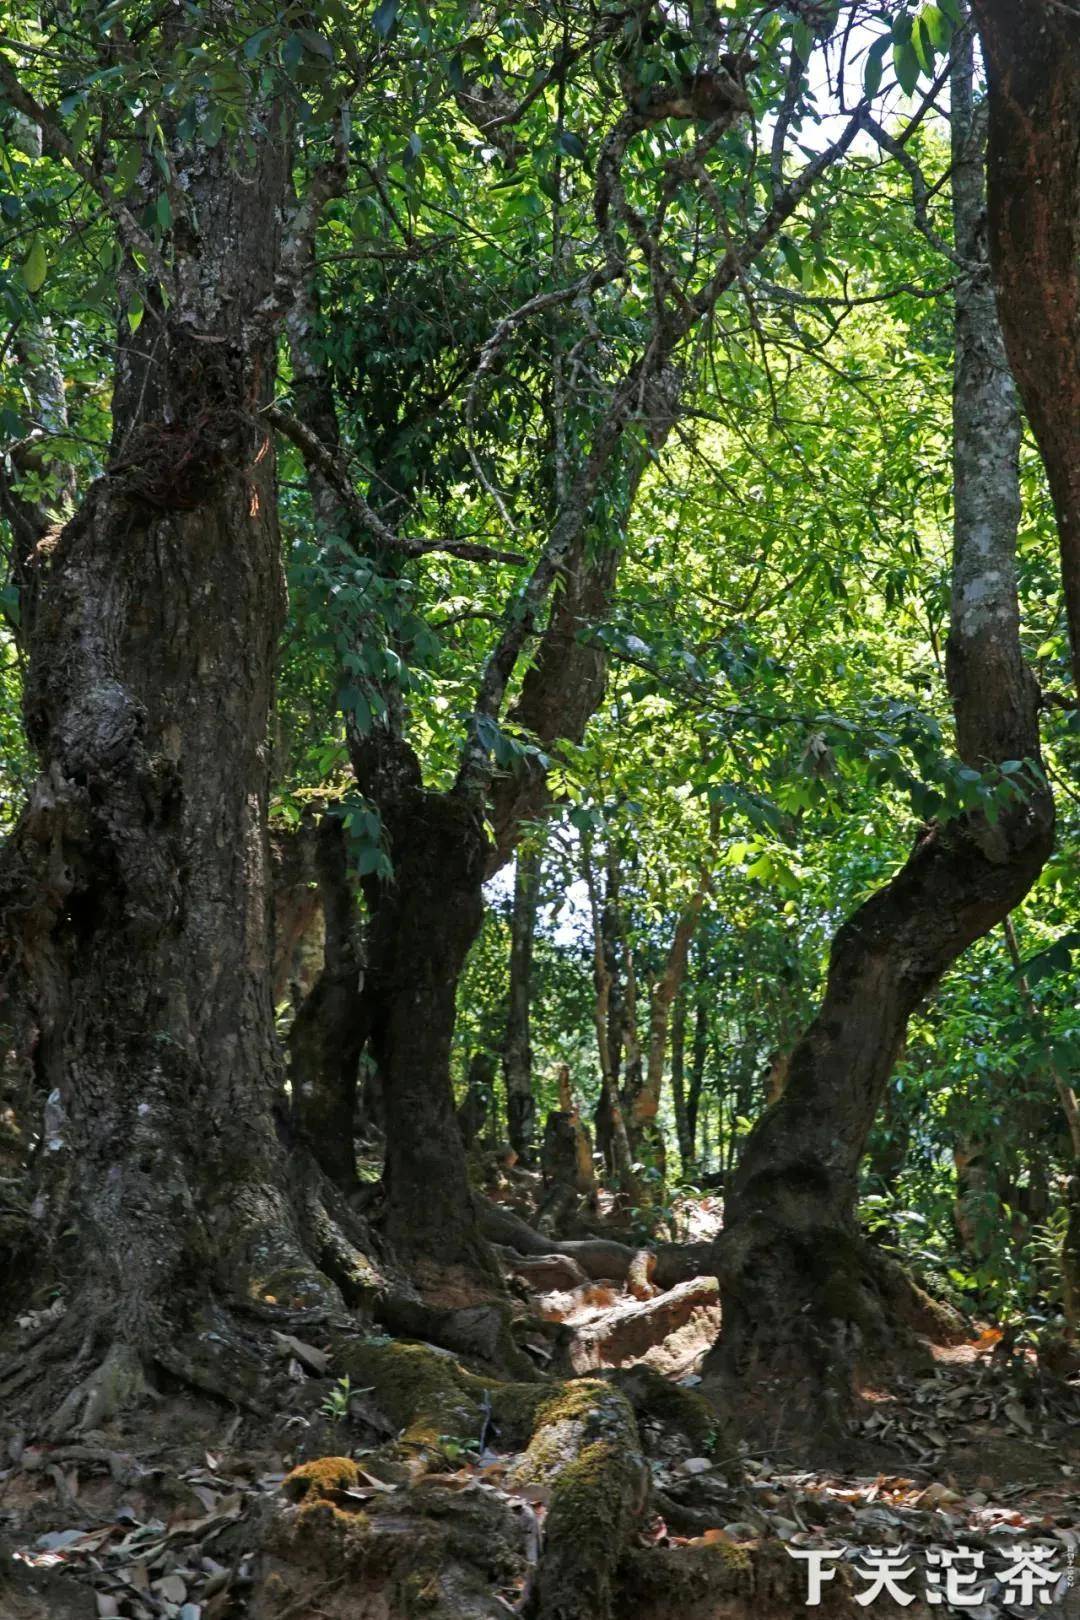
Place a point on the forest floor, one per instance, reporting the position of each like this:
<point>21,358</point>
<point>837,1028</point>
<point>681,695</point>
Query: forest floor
<point>438,1502</point>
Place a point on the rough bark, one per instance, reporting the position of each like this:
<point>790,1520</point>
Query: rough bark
<point>135,888</point>
<point>423,922</point>
<point>1032,54</point>
<point>517,1063</point>
<point>328,1032</point>
<point>797,1293</point>
<point>474,1117</point>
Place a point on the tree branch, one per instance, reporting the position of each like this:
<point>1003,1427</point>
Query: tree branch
<point>56,143</point>
<point>333,470</point>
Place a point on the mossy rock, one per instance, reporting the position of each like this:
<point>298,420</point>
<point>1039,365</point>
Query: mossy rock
<point>426,1554</point>
<point>427,1393</point>
<point>653,1396</point>
<point>325,1477</point>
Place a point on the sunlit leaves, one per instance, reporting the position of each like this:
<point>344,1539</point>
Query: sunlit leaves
<point>35,266</point>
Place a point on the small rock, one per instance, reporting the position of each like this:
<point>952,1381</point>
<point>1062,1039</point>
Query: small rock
<point>695,1465</point>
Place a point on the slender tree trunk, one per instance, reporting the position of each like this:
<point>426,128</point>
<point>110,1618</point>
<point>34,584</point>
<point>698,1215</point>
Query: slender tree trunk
<point>698,1056</point>
<point>662,995</point>
<point>611,946</point>
<point>634,1068</point>
<point>678,1081</point>
<point>135,890</point>
<point>793,1277</point>
<point>520,1102</point>
<point>622,1157</point>
<point>1032,54</point>
<point>1070,1107</point>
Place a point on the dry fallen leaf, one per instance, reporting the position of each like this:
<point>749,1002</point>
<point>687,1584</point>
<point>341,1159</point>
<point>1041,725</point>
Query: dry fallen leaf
<point>935,1496</point>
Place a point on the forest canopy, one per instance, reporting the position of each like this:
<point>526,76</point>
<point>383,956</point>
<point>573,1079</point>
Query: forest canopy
<point>539,629</point>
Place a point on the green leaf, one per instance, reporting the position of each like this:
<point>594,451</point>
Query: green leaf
<point>80,126</point>
<point>573,144</point>
<point>317,44</point>
<point>35,266</point>
<point>906,64</point>
<point>875,59</point>
<point>923,45</point>
<point>211,125</point>
<point>802,41</point>
<point>937,26</point>
<point>384,17</point>
<point>164,211</point>
<point>792,257</point>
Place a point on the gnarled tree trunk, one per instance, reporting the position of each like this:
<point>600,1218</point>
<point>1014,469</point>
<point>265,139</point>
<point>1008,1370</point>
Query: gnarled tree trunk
<point>135,888</point>
<point>796,1294</point>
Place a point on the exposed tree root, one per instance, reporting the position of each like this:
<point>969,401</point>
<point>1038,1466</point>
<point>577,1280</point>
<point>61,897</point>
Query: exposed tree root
<point>464,1553</point>
<point>599,1258</point>
<point>630,1330</point>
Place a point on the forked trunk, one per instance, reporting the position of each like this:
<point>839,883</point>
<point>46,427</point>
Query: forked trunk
<point>798,1295</point>
<point>645,1128</point>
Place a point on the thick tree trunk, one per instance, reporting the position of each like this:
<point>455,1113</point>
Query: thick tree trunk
<point>135,889</point>
<point>329,1030</point>
<point>797,1295</point>
<point>1032,54</point>
<point>424,920</point>
<point>520,1102</point>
